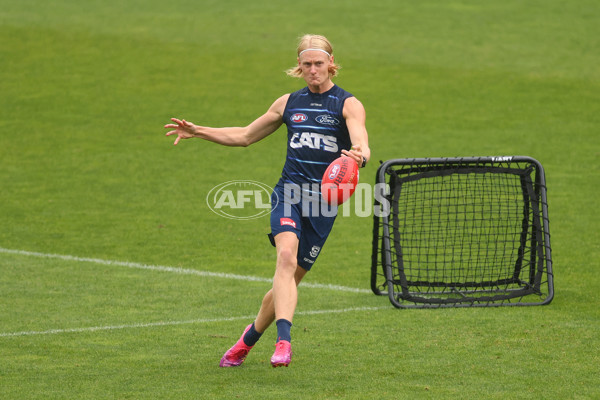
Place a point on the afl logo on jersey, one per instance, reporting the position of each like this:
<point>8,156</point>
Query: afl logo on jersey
<point>299,117</point>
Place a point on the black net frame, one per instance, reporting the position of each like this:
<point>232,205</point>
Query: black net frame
<point>462,232</point>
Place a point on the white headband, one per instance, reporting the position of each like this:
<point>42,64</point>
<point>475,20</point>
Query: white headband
<point>329,55</point>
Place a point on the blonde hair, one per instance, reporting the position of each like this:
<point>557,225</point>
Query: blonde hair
<point>313,42</point>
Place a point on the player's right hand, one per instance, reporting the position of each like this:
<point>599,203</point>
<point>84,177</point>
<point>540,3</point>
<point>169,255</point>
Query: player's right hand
<point>182,128</point>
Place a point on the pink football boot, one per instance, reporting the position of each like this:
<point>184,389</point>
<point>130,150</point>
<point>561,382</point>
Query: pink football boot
<point>283,354</point>
<point>235,356</point>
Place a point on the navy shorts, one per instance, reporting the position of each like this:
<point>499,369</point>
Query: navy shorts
<point>301,210</point>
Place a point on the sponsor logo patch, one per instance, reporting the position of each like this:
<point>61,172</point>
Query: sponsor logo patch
<point>287,221</point>
<point>326,119</point>
<point>298,117</point>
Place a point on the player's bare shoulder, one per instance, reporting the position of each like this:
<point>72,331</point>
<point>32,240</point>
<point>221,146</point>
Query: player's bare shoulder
<point>278,105</point>
<point>353,108</point>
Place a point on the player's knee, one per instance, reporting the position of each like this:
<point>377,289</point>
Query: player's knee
<point>286,258</point>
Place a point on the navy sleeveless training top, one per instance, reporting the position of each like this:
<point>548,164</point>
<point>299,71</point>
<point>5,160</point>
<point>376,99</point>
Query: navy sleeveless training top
<point>317,133</point>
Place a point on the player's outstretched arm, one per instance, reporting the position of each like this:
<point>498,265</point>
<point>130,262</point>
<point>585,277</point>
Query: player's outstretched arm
<point>260,128</point>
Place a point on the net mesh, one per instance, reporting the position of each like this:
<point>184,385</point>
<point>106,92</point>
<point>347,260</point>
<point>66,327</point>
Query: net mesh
<point>461,233</point>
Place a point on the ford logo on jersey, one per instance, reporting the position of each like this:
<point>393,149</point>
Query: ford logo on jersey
<point>299,117</point>
<point>325,119</point>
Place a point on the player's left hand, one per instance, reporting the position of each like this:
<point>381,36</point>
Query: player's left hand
<point>355,153</point>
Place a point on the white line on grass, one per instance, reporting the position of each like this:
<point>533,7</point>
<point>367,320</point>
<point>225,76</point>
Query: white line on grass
<point>176,270</point>
<point>172,323</point>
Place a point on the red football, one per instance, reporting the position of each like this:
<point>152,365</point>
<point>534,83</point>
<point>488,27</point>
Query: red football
<point>339,180</point>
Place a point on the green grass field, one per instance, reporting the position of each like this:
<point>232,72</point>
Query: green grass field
<point>117,281</point>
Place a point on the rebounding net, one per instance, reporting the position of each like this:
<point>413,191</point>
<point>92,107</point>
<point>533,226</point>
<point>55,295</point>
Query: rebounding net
<point>453,232</point>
